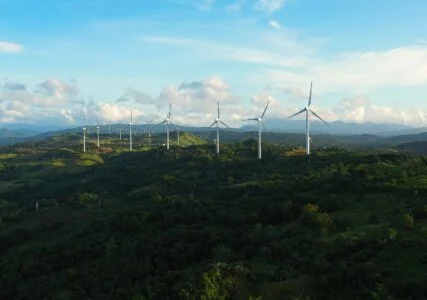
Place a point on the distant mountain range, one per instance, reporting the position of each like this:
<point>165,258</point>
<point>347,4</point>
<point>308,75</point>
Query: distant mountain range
<point>273,125</point>
<point>349,133</point>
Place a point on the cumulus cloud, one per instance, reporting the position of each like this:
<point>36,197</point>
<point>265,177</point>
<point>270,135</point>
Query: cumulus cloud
<point>47,93</point>
<point>136,96</point>
<point>188,97</point>
<point>8,47</point>
<point>49,98</point>
<point>193,103</point>
<point>361,110</point>
<point>10,85</point>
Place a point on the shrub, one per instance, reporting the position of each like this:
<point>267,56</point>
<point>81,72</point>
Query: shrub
<point>408,221</point>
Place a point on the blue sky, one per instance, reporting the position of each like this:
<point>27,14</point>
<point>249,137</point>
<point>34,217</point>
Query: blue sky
<point>367,59</point>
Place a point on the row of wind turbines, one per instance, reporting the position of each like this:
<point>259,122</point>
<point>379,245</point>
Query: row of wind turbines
<point>167,121</point>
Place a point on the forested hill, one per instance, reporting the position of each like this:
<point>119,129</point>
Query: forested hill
<point>188,224</point>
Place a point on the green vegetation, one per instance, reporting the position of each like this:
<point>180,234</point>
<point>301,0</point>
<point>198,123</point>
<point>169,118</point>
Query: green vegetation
<point>7,155</point>
<point>188,224</point>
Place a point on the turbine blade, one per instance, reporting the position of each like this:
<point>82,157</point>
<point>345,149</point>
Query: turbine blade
<point>170,108</point>
<point>251,119</point>
<point>213,124</point>
<point>224,124</point>
<point>162,122</point>
<point>309,97</point>
<point>131,115</point>
<point>295,114</point>
<point>262,116</point>
<point>218,109</point>
<point>319,117</point>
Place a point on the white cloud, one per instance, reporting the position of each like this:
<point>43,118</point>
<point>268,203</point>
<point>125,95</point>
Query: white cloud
<point>50,92</point>
<point>193,103</point>
<point>275,24</point>
<point>286,59</point>
<point>269,6</point>
<point>68,115</point>
<point>116,113</point>
<point>360,71</point>
<point>290,54</point>
<point>8,47</point>
<point>52,98</point>
<point>363,110</point>
<point>137,96</point>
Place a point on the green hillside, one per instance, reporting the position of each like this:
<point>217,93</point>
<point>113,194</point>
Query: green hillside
<point>188,224</point>
<point>413,147</point>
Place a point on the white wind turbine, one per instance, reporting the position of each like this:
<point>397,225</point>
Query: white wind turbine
<point>308,110</point>
<point>167,121</point>
<point>149,124</point>
<point>120,133</point>
<point>217,121</point>
<point>260,122</point>
<point>177,134</point>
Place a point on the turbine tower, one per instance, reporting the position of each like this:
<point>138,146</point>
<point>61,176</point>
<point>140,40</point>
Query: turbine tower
<point>217,121</point>
<point>120,133</point>
<point>130,132</point>
<point>308,110</point>
<point>260,122</point>
<point>167,122</point>
<point>177,134</point>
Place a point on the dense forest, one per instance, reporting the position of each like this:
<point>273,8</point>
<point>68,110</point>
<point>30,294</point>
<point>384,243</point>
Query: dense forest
<point>190,224</point>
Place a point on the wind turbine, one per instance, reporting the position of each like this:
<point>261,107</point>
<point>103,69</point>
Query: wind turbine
<point>217,121</point>
<point>177,134</point>
<point>149,127</point>
<point>167,122</point>
<point>308,110</point>
<point>130,132</point>
<point>260,122</point>
<point>120,133</point>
